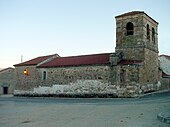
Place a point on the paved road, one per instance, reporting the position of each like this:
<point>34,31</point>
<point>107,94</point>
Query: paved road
<point>64,112</point>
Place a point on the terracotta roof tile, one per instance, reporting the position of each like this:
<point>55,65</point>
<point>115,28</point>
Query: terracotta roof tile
<point>9,68</point>
<point>168,57</point>
<point>34,61</point>
<point>78,60</point>
<point>130,13</point>
<point>134,13</point>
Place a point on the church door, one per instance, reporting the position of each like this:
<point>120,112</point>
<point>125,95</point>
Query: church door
<point>5,90</point>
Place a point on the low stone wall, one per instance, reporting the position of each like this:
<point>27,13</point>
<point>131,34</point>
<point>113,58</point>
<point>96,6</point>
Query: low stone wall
<point>90,88</point>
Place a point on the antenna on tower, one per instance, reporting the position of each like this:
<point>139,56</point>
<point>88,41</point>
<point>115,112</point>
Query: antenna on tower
<point>21,58</point>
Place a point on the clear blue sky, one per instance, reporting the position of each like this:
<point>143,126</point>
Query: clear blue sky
<point>70,27</point>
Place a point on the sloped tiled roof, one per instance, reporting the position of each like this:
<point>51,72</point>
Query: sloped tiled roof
<point>9,68</point>
<point>78,60</point>
<point>164,62</point>
<point>166,56</point>
<point>134,13</point>
<point>130,13</point>
<point>34,61</point>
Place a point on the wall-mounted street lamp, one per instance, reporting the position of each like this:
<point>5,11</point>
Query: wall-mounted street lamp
<point>25,72</point>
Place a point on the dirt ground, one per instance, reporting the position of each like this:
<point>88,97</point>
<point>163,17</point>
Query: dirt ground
<point>60,112</point>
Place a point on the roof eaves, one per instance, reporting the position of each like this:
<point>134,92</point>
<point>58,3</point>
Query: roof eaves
<point>19,65</point>
<point>78,65</point>
<point>134,13</point>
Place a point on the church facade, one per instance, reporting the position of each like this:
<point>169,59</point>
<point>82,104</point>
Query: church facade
<point>132,66</point>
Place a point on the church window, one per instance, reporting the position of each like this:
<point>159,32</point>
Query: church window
<point>44,75</point>
<point>148,32</point>
<point>129,29</point>
<point>153,35</point>
<point>122,75</point>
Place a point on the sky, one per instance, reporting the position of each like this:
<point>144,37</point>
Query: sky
<point>32,28</point>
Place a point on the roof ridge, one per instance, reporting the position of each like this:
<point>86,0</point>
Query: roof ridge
<point>6,69</point>
<point>47,55</point>
<point>84,55</point>
<point>35,60</point>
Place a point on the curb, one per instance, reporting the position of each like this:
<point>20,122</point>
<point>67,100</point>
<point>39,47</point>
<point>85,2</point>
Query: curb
<point>164,117</point>
<point>154,93</point>
<point>8,95</point>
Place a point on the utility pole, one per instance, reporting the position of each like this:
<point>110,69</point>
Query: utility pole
<point>21,58</point>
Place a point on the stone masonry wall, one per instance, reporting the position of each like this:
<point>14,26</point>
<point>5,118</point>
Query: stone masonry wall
<point>131,74</point>
<point>149,42</point>
<point>131,45</point>
<point>67,75</point>
<point>27,82</point>
<point>165,83</point>
<point>7,79</point>
<point>132,53</point>
<point>149,73</point>
<point>121,22</point>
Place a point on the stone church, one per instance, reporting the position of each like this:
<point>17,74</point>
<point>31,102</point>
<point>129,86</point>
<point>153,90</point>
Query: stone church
<point>133,65</point>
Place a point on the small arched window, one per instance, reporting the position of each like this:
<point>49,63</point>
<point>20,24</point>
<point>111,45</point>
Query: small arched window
<point>153,35</point>
<point>148,32</point>
<point>129,29</point>
<point>44,75</point>
<point>122,75</point>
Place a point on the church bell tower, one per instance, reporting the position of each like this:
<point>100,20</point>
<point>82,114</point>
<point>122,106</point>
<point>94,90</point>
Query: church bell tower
<point>137,40</point>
